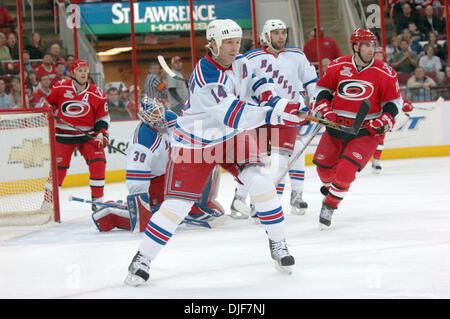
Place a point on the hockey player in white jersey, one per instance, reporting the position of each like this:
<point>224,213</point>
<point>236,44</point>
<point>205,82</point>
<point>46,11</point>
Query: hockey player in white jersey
<point>293,76</point>
<point>147,157</point>
<point>211,132</point>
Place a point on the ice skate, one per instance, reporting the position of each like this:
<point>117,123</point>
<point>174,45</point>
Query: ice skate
<point>376,167</point>
<point>298,205</point>
<point>138,271</point>
<point>280,253</point>
<point>326,213</point>
<point>239,209</point>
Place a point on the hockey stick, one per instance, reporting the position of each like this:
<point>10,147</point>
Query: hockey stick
<point>300,152</point>
<point>436,104</point>
<point>359,119</point>
<point>87,201</point>
<point>168,70</point>
<point>88,135</point>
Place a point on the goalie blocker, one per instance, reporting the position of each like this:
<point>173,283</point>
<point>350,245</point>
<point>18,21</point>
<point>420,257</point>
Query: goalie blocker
<point>205,212</point>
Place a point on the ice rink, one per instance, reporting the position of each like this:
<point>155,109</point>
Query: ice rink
<point>390,239</point>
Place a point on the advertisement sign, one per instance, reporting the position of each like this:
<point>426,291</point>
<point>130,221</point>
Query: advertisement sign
<point>162,16</point>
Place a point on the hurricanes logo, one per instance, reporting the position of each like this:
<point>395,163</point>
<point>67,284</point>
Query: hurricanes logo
<point>75,108</point>
<point>355,90</point>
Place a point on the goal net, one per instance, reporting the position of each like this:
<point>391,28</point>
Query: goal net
<point>28,188</point>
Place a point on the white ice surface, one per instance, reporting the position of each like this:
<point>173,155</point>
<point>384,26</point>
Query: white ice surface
<point>390,239</point>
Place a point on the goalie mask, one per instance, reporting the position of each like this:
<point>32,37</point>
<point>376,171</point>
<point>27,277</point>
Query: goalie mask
<point>269,26</point>
<point>151,112</point>
<point>219,30</point>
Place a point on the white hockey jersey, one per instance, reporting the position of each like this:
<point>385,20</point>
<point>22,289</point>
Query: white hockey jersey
<point>147,155</point>
<point>290,70</point>
<point>216,109</point>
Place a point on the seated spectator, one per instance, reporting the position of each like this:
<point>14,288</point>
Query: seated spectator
<point>55,51</point>
<point>396,9</point>
<point>438,49</point>
<point>70,58</point>
<point>5,18</point>
<point>15,92</point>
<point>117,109</point>
<point>46,67</point>
<point>36,46</point>
<point>446,80</point>
<point>421,84</point>
<point>32,80</point>
<point>430,22</point>
<point>131,105</point>
<point>393,48</point>
<point>330,48</point>
<point>124,95</point>
<point>26,61</point>
<point>415,32</point>
<point>13,45</point>
<point>5,100</point>
<point>4,50</point>
<point>60,69</point>
<point>405,61</point>
<point>407,16</point>
<point>43,90</point>
<point>430,62</point>
<point>413,45</point>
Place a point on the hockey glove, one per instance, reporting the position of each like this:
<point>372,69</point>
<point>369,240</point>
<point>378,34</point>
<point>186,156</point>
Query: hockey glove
<point>263,88</point>
<point>283,112</point>
<point>407,106</point>
<point>381,125</point>
<point>323,109</point>
<point>101,139</point>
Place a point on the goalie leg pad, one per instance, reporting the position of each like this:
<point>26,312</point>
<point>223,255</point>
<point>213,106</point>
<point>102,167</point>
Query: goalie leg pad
<point>108,218</point>
<point>139,207</point>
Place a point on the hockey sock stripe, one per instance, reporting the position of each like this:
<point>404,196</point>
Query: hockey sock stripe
<point>338,192</point>
<point>280,189</point>
<point>271,217</point>
<point>158,234</point>
<point>297,175</point>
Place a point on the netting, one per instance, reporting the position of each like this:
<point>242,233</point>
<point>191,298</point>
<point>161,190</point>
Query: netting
<point>25,163</point>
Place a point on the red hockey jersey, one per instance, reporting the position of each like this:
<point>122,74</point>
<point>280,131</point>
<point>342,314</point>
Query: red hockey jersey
<point>87,110</point>
<point>377,82</point>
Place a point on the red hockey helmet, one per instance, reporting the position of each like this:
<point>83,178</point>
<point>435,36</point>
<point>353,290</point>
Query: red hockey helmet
<point>78,63</point>
<point>362,35</point>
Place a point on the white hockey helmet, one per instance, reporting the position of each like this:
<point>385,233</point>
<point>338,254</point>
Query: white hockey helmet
<point>221,29</point>
<point>268,27</point>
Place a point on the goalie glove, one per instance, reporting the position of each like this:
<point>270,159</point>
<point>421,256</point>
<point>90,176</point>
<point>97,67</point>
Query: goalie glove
<point>323,109</point>
<point>263,88</point>
<point>282,112</point>
<point>101,139</point>
<point>381,125</point>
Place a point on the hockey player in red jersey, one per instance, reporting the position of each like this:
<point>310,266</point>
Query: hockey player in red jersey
<point>348,81</point>
<point>83,105</point>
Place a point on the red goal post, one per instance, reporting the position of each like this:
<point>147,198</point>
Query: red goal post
<point>28,166</point>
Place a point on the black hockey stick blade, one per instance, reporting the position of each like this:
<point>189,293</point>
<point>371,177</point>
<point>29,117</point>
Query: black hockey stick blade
<point>360,116</point>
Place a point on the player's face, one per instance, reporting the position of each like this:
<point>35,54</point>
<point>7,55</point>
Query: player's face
<point>366,51</point>
<point>278,38</point>
<point>229,51</point>
<point>81,74</point>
